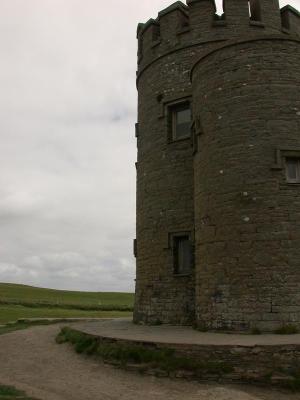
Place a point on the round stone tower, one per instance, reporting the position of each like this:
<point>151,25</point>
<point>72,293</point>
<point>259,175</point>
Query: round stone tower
<point>218,171</point>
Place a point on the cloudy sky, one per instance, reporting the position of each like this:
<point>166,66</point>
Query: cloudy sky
<point>67,146</point>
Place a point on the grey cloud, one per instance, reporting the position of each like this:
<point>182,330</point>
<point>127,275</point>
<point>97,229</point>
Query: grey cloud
<point>67,114</point>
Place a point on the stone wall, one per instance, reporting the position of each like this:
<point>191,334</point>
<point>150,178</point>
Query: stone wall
<point>259,364</point>
<point>164,195</point>
<point>247,215</point>
<point>243,216</point>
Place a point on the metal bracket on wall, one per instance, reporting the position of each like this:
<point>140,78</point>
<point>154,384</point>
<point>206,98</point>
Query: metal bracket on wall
<point>137,133</point>
<point>197,130</point>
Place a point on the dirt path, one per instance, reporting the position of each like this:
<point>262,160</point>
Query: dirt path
<point>32,361</point>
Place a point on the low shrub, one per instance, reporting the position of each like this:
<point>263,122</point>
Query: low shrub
<point>155,358</point>
<point>256,331</point>
<point>11,393</point>
<point>287,330</point>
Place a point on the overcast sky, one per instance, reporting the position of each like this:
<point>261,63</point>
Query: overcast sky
<point>67,146</point>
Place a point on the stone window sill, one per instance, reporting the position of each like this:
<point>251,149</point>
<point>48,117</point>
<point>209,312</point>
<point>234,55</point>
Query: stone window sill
<point>219,23</point>
<point>258,24</point>
<point>179,140</point>
<point>184,30</point>
<point>156,43</point>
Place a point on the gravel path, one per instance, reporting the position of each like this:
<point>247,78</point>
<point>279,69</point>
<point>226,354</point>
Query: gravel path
<point>32,361</point>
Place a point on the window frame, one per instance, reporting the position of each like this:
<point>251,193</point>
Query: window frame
<point>281,155</point>
<point>288,179</point>
<point>173,110</point>
<point>174,239</point>
<point>255,13</point>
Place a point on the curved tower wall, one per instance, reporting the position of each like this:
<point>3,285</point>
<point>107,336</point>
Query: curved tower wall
<point>164,178</point>
<point>173,189</point>
<point>247,217</point>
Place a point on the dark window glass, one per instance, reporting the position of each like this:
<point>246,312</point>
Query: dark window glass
<point>293,170</point>
<point>181,122</point>
<point>183,256</point>
<point>254,10</point>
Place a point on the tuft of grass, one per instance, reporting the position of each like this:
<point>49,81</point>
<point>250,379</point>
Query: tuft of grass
<point>157,322</point>
<point>200,328</point>
<point>293,385</point>
<point>161,359</point>
<point>11,393</point>
<point>293,380</point>
<point>20,325</point>
<point>291,374</point>
<point>255,331</point>
<point>287,330</point>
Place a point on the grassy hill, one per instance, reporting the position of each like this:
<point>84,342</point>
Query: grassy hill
<point>23,294</point>
<point>21,301</point>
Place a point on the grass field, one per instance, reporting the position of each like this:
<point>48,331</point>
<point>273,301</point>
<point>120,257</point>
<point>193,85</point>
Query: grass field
<point>20,301</point>
<point>10,313</point>
<point>22,293</point>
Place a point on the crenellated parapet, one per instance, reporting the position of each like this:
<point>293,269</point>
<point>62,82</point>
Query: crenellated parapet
<point>290,18</point>
<point>181,25</point>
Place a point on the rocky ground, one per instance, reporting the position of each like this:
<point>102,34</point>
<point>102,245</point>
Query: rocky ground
<point>32,361</point>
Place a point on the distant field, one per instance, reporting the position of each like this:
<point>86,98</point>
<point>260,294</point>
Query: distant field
<point>20,301</point>
<point>12,292</point>
<point>10,313</point>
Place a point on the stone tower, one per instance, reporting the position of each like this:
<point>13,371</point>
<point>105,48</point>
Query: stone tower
<point>218,169</point>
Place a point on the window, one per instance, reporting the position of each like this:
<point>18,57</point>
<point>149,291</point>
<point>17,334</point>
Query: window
<point>254,10</point>
<point>292,170</point>
<point>182,254</point>
<point>181,118</point>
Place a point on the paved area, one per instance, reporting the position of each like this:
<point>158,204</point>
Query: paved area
<point>125,329</point>
<point>32,361</point>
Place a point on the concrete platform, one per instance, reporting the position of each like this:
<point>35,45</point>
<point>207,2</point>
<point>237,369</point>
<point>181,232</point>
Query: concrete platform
<point>126,330</point>
<point>268,359</point>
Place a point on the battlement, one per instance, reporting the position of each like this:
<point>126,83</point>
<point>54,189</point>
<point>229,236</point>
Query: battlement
<point>182,24</point>
<point>290,18</point>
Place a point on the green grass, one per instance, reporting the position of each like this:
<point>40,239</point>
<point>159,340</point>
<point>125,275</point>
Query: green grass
<point>17,294</point>
<point>17,326</point>
<point>160,359</point>
<point>255,331</point>
<point>11,393</point>
<point>9,313</point>
<point>287,330</point>
<point>20,301</point>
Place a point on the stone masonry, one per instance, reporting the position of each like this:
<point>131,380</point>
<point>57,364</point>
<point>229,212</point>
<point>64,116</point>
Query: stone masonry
<point>226,186</point>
